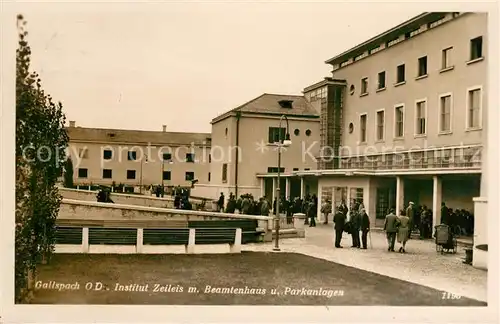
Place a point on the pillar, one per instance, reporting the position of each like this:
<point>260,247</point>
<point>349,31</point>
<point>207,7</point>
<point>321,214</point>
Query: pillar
<point>320,203</point>
<point>287,187</point>
<point>400,194</point>
<point>302,188</point>
<point>262,187</point>
<point>437,198</point>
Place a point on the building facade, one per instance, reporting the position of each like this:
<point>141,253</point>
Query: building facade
<point>413,116</point>
<point>403,118</point>
<point>244,152</point>
<point>138,159</point>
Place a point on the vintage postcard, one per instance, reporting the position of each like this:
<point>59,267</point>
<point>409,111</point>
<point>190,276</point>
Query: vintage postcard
<point>241,155</point>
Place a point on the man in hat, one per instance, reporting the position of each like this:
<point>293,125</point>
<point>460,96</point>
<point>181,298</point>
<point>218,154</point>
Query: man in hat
<point>410,213</point>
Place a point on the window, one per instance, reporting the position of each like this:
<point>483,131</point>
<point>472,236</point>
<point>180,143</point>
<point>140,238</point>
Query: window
<point>446,58</point>
<point>476,48</point>
<point>209,158</point>
<point>107,154</point>
<point>130,174</point>
<point>167,156</point>
<point>107,173</point>
<point>364,86</point>
<point>224,172</point>
<point>274,134</point>
<point>295,169</point>
<point>362,128</point>
<point>296,132</point>
<point>400,77</point>
<point>308,132</point>
<point>189,175</point>
<point>132,156</point>
<point>422,66</point>
<point>381,80</point>
<point>420,115</point>
<point>167,175</point>
<point>190,157</point>
<point>83,173</point>
<point>305,169</point>
<point>445,113</point>
<point>209,177</point>
<point>83,153</point>
<point>474,108</point>
<point>399,121</point>
<point>275,170</point>
<point>380,125</point>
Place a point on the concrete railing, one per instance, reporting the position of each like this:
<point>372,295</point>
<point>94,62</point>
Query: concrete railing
<point>127,199</point>
<point>91,210</point>
<point>139,248</point>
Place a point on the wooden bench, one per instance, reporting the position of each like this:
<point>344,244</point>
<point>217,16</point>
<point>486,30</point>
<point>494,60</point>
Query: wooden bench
<point>69,235</point>
<point>112,236</point>
<point>249,227</point>
<point>165,236</point>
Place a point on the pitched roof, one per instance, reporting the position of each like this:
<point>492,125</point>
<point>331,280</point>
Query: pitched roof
<point>268,103</point>
<point>103,135</point>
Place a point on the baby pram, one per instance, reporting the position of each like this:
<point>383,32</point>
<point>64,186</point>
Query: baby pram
<point>445,239</point>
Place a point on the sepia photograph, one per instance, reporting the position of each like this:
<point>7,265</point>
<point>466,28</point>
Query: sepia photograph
<point>256,154</point>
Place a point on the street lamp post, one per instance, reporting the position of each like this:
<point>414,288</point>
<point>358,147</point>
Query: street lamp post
<point>286,142</point>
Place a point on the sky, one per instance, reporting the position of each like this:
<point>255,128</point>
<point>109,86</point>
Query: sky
<point>141,66</point>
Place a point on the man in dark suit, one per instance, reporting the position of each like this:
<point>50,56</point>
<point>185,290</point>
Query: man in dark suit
<point>220,203</point>
<point>365,227</point>
<point>391,228</point>
<point>355,221</point>
<point>339,220</point>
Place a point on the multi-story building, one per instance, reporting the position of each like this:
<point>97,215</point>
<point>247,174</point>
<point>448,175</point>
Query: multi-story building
<point>244,151</point>
<point>403,117</point>
<point>138,158</point>
<point>411,117</point>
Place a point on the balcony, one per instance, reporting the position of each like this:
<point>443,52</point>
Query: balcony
<point>443,158</point>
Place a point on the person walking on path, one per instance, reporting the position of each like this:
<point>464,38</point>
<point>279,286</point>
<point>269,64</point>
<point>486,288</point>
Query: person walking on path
<point>310,214</point>
<point>391,228</point>
<point>365,228</point>
<point>339,221</point>
<point>403,232</point>
<point>410,213</point>
<point>326,209</point>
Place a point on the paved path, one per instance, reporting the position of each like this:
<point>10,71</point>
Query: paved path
<point>421,264</point>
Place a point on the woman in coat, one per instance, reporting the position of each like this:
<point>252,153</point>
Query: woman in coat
<point>403,232</point>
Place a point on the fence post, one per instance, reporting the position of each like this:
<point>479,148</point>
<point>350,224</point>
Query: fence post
<point>191,241</point>
<point>85,240</point>
<point>139,243</point>
<point>236,246</point>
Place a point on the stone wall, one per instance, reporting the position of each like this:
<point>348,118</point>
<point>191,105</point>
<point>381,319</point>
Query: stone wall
<point>91,210</point>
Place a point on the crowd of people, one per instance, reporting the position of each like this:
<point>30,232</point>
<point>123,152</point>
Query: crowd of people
<point>460,221</point>
<point>247,204</point>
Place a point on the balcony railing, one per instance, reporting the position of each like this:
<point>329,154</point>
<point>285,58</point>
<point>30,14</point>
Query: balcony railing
<point>447,158</point>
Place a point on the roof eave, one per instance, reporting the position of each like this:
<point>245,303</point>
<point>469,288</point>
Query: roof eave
<point>387,34</point>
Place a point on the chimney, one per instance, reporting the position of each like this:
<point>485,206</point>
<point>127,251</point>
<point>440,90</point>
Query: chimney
<point>164,128</point>
<point>72,123</point>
